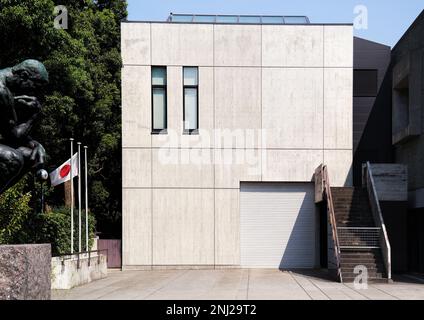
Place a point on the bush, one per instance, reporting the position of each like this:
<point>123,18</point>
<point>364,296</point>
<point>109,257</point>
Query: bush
<point>19,222</point>
<point>55,228</point>
<point>14,211</point>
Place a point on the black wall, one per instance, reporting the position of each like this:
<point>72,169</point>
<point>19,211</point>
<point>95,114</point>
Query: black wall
<point>415,240</point>
<point>372,115</point>
<point>395,215</point>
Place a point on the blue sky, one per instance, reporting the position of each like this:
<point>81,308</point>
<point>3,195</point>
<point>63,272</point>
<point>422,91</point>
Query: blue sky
<point>387,19</point>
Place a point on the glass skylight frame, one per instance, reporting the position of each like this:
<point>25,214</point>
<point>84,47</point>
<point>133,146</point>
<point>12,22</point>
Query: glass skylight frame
<point>237,19</point>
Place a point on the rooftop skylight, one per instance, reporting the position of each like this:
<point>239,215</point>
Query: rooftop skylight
<point>237,19</point>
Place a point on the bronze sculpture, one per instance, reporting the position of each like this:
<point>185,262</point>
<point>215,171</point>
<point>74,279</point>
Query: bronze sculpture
<point>19,109</point>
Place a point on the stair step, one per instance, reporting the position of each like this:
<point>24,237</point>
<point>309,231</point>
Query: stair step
<point>364,258</point>
<point>352,224</point>
<point>356,219</point>
<point>368,264</point>
<point>340,199</point>
<point>371,269</point>
<point>364,213</point>
<point>370,280</point>
<point>370,225</point>
<point>341,210</point>
<point>351,275</point>
<point>360,224</point>
<point>342,214</point>
<point>360,255</point>
<point>352,209</point>
<point>361,252</point>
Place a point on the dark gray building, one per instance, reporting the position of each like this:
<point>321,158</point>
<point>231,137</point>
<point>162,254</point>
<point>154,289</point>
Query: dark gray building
<point>372,133</point>
<point>407,130</point>
<point>371,105</point>
<point>388,116</point>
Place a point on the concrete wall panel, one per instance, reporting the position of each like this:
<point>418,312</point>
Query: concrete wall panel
<point>338,110</point>
<point>292,102</point>
<point>136,227</point>
<point>136,168</point>
<point>183,226</point>
<point>292,46</point>
<point>339,163</point>
<point>238,106</point>
<point>235,165</point>
<point>183,168</point>
<point>182,44</point>
<point>338,46</point>
<point>227,227</point>
<point>290,165</point>
<point>135,43</point>
<point>136,106</point>
<point>237,45</point>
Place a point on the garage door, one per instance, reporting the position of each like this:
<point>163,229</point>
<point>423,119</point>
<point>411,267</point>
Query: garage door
<point>278,225</point>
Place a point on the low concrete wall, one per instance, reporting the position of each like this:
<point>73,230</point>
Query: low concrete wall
<point>391,181</point>
<point>25,272</point>
<point>67,272</point>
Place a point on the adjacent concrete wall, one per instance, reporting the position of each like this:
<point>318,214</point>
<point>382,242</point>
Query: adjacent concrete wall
<point>408,59</point>
<point>69,272</point>
<point>289,85</point>
<point>408,129</point>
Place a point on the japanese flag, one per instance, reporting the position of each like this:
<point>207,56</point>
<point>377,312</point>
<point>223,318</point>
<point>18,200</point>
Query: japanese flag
<point>63,173</point>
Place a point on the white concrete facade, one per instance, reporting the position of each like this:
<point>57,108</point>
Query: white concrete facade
<point>285,90</point>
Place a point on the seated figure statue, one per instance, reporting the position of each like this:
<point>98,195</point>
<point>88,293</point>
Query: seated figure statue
<point>19,109</point>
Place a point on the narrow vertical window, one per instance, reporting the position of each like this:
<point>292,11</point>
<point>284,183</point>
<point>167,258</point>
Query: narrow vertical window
<point>191,100</point>
<point>159,105</point>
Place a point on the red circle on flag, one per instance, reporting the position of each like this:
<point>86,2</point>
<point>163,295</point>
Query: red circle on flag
<point>65,171</point>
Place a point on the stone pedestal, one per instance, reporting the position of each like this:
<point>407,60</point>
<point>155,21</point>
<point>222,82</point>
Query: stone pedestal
<point>25,272</point>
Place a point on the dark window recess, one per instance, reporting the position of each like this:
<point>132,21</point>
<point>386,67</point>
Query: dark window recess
<point>159,100</point>
<point>365,83</point>
<point>191,100</point>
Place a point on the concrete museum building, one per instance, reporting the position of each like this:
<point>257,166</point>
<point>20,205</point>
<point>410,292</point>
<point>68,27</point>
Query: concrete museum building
<point>224,121</point>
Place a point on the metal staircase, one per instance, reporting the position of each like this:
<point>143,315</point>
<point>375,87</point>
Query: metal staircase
<point>359,236</point>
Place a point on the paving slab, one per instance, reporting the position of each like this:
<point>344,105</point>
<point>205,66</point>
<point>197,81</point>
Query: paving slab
<point>237,284</point>
<point>270,284</point>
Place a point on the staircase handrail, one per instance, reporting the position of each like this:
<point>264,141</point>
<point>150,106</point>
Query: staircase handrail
<point>378,218</point>
<point>326,189</point>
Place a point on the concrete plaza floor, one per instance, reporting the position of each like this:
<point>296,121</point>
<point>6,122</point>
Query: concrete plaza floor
<point>229,284</point>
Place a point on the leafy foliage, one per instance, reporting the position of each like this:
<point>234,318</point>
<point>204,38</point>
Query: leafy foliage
<point>19,222</point>
<point>55,228</point>
<point>83,97</point>
<point>14,211</point>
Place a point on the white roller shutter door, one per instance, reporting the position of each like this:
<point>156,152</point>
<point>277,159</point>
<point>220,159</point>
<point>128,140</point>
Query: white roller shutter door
<point>278,225</point>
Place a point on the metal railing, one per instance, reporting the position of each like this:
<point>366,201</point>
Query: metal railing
<point>322,173</point>
<point>378,218</point>
<point>69,256</point>
<point>359,237</point>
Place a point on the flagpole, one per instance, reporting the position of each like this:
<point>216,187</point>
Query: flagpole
<point>86,199</point>
<point>79,196</point>
<point>72,196</point>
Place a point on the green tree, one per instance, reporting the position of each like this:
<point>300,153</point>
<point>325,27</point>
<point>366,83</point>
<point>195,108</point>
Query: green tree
<point>83,98</point>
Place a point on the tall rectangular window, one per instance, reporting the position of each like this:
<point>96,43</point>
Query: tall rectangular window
<point>159,103</point>
<point>191,100</point>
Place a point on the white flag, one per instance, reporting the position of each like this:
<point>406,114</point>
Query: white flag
<point>63,173</point>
